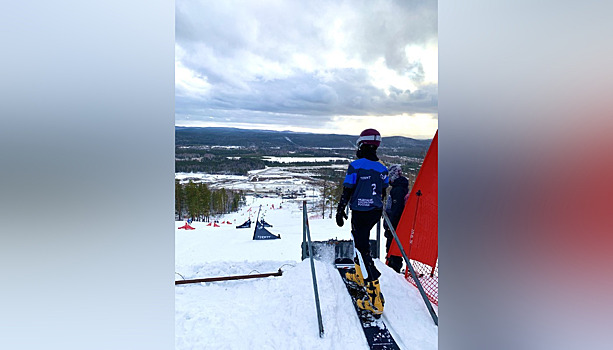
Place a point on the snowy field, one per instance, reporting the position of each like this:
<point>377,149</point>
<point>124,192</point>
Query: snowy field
<point>268,180</point>
<point>304,159</point>
<point>279,312</point>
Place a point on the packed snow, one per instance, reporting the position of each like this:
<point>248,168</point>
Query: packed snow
<point>279,312</point>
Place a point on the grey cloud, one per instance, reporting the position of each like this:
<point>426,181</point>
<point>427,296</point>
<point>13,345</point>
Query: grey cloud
<point>386,30</point>
<point>236,116</point>
<point>316,94</point>
<point>371,31</point>
<point>231,28</point>
<point>348,93</point>
<point>245,51</point>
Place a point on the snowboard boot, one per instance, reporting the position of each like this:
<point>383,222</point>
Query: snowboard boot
<point>356,276</point>
<point>375,301</point>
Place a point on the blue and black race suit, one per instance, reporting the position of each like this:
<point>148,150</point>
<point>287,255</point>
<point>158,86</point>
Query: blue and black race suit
<point>368,179</point>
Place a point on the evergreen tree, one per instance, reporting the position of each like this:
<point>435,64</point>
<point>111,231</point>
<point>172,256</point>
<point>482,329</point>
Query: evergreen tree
<point>178,199</point>
<point>223,201</point>
<point>236,200</point>
<point>204,199</point>
<point>191,195</point>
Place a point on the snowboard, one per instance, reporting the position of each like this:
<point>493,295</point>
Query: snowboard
<point>377,334</point>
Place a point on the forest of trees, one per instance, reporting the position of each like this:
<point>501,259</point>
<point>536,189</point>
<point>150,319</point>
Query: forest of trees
<point>198,202</point>
<point>219,165</point>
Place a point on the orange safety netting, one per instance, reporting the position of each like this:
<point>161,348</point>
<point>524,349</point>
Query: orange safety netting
<point>418,226</point>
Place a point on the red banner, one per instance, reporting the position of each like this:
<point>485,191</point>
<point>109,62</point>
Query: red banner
<point>418,226</point>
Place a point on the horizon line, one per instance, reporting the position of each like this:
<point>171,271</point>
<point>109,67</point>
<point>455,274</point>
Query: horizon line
<point>298,132</point>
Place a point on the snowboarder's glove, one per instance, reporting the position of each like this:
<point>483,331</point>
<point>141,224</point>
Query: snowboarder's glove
<point>339,218</point>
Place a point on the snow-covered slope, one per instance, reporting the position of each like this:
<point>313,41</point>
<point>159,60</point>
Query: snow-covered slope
<point>279,312</point>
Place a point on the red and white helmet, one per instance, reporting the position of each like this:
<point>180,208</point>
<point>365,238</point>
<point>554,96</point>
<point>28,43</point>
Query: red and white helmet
<point>369,137</point>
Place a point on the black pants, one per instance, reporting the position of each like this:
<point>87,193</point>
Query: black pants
<point>361,224</point>
<point>395,262</point>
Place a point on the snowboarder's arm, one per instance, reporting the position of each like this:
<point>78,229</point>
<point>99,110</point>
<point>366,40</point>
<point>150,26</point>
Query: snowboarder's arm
<point>349,185</point>
<point>342,203</point>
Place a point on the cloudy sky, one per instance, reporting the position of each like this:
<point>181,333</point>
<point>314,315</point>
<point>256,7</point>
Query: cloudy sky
<point>316,66</point>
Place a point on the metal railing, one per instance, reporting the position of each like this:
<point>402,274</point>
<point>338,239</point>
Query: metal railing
<point>307,234</point>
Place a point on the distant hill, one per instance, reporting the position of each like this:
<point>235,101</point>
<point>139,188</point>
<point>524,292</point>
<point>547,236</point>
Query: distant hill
<point>237,151</point>
<point>192,136</point>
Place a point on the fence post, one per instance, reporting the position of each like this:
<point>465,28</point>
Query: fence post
<point>413,274</point>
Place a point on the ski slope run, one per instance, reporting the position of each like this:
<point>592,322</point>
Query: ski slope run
<point>279,312</point>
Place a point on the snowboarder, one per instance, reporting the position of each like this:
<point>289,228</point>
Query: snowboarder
<point>364,190</point>
<point>393,208</point>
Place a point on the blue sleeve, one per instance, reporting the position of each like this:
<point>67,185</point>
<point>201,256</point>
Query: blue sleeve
<point>351,177</point>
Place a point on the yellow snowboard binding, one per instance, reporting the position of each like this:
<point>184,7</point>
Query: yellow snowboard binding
<point>375,301</point>
<point>356,276</point>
